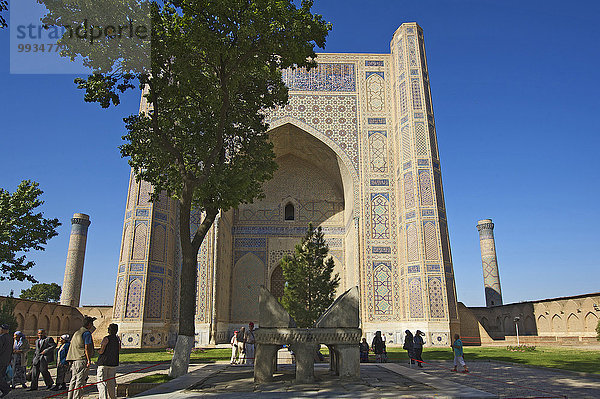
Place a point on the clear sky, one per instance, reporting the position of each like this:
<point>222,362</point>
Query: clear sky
<point>515,91</point>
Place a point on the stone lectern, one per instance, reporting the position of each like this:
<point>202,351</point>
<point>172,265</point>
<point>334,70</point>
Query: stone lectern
<point>337,328</point>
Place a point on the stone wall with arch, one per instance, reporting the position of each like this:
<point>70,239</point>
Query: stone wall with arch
<point>57,319</point>
<point>565,319</point>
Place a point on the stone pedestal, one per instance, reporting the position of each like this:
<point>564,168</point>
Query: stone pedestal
<point>265,363</point>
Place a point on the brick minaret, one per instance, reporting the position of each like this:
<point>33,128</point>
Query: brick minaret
<point>71,289</point>
<point>491,277</point>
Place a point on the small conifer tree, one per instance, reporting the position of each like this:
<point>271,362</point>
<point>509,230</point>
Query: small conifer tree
<point>310,285</point>
<point>598,331</point>
<point>7,315</point>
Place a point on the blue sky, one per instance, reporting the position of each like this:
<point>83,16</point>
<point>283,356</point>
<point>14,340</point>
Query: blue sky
<point>515,94</point>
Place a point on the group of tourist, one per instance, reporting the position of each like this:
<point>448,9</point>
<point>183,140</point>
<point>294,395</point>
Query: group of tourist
<point>74,354</point>
<point>377,346</point>
<point>413,344</point>
<point>242,345</point>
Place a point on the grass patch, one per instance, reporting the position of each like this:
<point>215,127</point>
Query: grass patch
<point>131,355</point>
<point>587,361</point>
<point>153,378</point>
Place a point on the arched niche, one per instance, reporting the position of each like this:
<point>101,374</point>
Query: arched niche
<point>248,276</point>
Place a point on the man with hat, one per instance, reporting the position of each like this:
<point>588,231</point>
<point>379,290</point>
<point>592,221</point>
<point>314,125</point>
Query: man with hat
<point>44,355</point>
<point>5,356</point>
<point>80,355</point>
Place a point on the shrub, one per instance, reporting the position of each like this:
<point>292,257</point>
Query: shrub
<point>520,348</point>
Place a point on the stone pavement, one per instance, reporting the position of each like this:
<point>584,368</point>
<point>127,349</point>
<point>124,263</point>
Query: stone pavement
<point>515,381</point>
<point>487,379</point>
<point>92,392</point>
<point>377,381</point>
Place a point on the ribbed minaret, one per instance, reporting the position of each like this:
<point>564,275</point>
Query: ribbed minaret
<point>491,277</point>
<point>71,289</point>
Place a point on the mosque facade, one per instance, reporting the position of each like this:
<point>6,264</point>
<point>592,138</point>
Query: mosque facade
<point>357,152</point>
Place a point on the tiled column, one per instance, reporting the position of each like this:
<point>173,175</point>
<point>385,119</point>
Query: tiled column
<point>491,277</point>
<point>71,289</point>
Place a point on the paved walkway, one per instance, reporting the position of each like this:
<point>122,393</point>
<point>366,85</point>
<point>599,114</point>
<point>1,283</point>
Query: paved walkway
<point>487,379</point>
<point>516,381</point>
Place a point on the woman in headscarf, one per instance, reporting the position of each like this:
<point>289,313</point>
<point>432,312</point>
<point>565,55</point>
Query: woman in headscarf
<point>419,347</point>
<point>377,347</point>
<point>62,366</point>
<point>19,358</point>
<point>409,346</point>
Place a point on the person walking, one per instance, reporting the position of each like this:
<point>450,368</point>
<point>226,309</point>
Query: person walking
<point>108,360</point>
<point>6,347</point>
<point>44,355</point>
<point>409,346</point>
<point>241,346</point>
<point>418,344</point>
<point>62,366</point>
<point>249,340</point>
<point>80,355</point>
<point>377,346</point>
<point>234,348</point>
<point>363,348</point>
<point>19,359</point>
<point>458,354</point>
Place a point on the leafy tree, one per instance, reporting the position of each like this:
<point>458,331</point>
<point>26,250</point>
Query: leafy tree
<point>309,287</point>
<point>22,230</point>
<point>7,315</point>
<point>42,292</point>
<point>215,70</point>
<point>598,331</point>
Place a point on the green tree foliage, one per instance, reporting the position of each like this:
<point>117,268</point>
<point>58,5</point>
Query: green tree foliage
<point>310,286</point>
<point>598,331</point>
<point>215,68</point>
<point>7,314</point>
<point>22,230</point>
<point>42,292</point>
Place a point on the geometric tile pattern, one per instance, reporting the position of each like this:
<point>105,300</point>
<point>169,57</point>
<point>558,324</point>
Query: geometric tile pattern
<point>134,298</point>
<point>425,188</point>
<point>377,149</point>
<point>415,293</point>
<point>436,298</point>
<point>380,215</point>
<point>431,242</point>
<point>382,287</point>
<point>375,91</point>
<point>409,197</point>
<point>334,115</point>
<point>139,241</point>
<point>154,298</point>
<point>412,242</point>
<point>118,306</point>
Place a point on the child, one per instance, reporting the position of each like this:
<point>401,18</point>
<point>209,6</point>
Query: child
<point>458,353</point>
<point>364,351</point>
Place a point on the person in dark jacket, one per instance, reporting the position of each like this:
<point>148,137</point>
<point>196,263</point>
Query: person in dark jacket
<point>62,366</point>
<point>44,355</point>
<point>108,360</point>
<point>409,346</point>
<point>364,351</point>
<point>377,345</point>
<point>418,340</point>
<point>6,346</point>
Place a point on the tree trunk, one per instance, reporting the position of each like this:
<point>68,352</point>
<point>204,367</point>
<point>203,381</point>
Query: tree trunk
<point>188,282</point>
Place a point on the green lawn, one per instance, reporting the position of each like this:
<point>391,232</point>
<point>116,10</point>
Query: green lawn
<point>554,357</point>
<point>159,355</point>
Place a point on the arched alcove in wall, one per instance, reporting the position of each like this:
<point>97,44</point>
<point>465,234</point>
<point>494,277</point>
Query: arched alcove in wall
<point>248,276</point>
